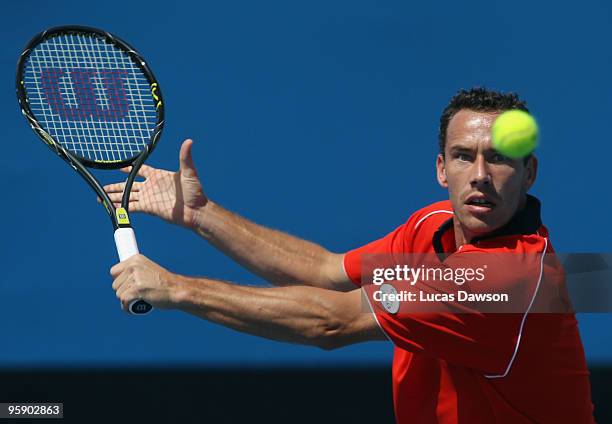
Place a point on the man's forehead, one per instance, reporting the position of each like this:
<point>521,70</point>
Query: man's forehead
<point>470,126</point>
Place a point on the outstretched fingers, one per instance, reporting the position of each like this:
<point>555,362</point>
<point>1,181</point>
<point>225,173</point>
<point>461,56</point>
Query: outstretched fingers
<point>144,171</point>
<point>116,197</point>
<point>115,188</point>
<point>120,187</point>
<point>134,206</point>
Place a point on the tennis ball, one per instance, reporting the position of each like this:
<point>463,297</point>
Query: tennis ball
<point>515,134</point>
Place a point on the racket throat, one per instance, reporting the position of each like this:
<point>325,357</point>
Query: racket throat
<point>122,217</point>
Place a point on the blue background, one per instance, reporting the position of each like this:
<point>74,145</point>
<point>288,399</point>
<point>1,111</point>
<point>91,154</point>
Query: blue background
<point>316,118</point>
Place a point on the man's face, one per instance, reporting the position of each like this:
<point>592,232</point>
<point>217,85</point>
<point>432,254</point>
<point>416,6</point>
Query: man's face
<point>485,188</point>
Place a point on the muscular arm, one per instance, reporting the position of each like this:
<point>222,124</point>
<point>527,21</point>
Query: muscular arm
<point>276,256</point>
<point>297,314</point>
<point>178,197</point>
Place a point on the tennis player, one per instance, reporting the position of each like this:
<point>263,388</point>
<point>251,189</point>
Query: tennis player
<point>447,368</point>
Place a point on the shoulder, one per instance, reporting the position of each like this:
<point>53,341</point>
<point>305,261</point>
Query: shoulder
<point>431,216</point>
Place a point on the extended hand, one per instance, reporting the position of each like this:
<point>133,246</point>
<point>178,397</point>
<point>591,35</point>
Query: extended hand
<point>173,196</point>
<point>140,278</point>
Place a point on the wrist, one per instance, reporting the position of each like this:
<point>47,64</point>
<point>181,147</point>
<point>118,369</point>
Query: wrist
<point>181,292</point>
<point>200,218</point>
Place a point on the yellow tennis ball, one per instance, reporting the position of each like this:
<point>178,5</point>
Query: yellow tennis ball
<point>515,134</point>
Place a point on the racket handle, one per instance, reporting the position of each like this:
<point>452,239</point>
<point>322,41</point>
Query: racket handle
<point>125,240</point>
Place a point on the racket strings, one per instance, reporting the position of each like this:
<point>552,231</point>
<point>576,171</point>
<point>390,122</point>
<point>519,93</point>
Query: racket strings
<point>90,97</point>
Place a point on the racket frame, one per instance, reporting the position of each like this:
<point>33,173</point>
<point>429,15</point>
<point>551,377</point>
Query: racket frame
<point>77,162</point>
<point>119,216</point>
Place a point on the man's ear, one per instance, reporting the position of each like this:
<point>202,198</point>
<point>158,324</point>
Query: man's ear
<point>441,171</point>
<point>531,172</point>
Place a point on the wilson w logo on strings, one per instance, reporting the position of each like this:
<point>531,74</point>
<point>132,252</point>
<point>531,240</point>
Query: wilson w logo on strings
<point>81,94</point>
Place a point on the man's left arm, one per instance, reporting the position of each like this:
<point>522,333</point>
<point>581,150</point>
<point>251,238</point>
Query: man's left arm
<point>297,314</point>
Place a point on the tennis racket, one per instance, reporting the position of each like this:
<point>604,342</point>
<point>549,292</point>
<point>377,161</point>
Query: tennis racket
<point>94,101</point>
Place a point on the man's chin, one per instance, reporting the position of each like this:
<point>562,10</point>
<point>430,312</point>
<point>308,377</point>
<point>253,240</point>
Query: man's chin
<point>480,226</point>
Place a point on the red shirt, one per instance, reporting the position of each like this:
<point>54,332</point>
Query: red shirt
<point>478,367</point>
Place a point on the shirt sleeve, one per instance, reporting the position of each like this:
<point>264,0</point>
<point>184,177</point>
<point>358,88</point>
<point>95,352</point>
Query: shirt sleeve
<point>392,242</point>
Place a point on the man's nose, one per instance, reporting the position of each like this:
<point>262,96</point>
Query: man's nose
<point>480,171</point>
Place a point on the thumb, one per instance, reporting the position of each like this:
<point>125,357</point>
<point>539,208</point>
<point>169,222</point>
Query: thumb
<point>187,167</point>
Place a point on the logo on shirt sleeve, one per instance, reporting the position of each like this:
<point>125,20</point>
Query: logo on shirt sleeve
<point>389,298</point>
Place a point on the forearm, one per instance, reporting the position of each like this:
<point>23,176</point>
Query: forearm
<point>296,314</point>
<point>276,256</point>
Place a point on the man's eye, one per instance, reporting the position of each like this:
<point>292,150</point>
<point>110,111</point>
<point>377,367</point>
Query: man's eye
<point>498,157</point>
<point>464,157</point>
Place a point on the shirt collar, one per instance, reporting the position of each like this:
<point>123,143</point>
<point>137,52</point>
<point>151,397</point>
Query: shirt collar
<point>526,221</point>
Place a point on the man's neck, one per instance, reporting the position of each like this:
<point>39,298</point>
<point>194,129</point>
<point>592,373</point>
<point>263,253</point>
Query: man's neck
<point>465,236</point>
<point>462,235</point>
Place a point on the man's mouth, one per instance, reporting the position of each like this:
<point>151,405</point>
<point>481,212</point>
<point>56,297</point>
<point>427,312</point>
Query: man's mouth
<point>479,203</point>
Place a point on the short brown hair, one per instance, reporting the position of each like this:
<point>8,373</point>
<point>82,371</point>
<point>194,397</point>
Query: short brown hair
<point>478,99</point>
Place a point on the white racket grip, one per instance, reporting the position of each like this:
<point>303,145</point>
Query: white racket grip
<point>125,240</point>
